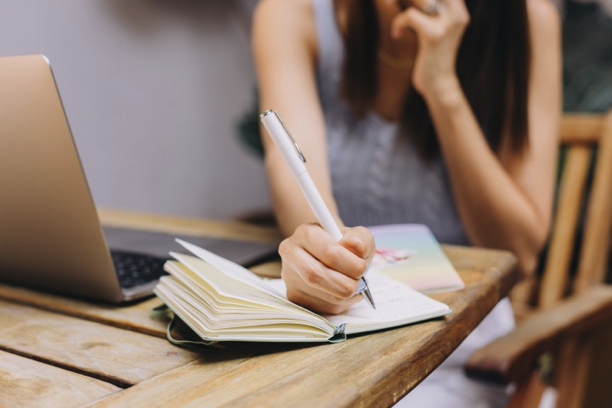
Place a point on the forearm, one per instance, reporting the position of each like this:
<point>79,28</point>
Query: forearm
<point>494,209</point>
<point>290,207</point>
<point>504,197</point>
<point>284,46</point>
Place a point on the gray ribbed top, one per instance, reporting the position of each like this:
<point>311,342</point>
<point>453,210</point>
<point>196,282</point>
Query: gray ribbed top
<point>376,180</point>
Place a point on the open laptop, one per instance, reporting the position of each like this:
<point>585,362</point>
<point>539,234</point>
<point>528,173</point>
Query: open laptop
<point>50,234</point>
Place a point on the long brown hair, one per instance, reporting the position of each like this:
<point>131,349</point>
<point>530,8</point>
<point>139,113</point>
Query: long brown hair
<point>492,66</point>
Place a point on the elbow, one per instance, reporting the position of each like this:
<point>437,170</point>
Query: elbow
<point>529,255</point>
<point>527,264</point>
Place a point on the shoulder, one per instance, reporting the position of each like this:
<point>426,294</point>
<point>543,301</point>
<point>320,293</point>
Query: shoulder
<point>544,21</point>
<point>284,9</point>
<point>278,20</point>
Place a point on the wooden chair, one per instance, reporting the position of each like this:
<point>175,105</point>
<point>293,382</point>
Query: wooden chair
<point>566,338</point>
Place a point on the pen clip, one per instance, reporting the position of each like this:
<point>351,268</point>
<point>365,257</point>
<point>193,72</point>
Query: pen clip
<point>297,148</point>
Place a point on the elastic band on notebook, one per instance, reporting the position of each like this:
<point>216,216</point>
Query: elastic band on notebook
<point>339,334</point>
<point>164,312</point>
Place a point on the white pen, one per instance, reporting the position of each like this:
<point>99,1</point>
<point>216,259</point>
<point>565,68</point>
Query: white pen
<point>295,160</point>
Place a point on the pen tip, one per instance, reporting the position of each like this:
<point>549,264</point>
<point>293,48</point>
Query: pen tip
<point>368,297</point>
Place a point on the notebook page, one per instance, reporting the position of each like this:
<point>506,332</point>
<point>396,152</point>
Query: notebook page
<point>396,305</point>
<point>232,290</point>
<point>230,287</point>
<point>228,267</point>
<point>212,324</point>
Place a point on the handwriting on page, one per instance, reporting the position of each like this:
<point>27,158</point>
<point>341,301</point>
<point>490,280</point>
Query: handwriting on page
<point>393,301</point>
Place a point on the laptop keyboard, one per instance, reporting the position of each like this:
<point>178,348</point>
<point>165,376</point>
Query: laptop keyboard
<point>135,269</point>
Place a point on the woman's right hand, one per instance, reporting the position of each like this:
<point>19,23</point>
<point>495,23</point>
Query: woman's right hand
<point>322,274</point>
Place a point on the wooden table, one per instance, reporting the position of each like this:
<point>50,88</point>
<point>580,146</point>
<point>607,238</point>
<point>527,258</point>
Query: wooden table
<point>58,351</point>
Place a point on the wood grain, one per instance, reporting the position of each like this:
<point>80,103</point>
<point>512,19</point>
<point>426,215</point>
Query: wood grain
<point>572,372</point>
<point>591,269</point>
<point>581,128</point>
<point>528,392</point>
<point>559,324</point>
<point>369,370</point>
<point>571,191</point>
<point>28,383</point>
<point>513,356</point>
<point>117,356</point>
<point>576,354</point>
<point>133,317</point>
<point>599,394</point>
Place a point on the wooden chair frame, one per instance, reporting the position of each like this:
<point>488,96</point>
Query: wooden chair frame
<point>568,313</point>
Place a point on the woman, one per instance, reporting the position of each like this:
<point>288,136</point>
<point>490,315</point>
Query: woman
<point>449,120</point>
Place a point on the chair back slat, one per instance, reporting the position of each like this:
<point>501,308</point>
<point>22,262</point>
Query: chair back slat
<point>594,248</point>
<point>580,134</point>
<point>554,282</point>
<point>580,128</point>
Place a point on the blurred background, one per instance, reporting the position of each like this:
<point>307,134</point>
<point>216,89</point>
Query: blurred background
<point>160,94</point>
<point>153,91</point>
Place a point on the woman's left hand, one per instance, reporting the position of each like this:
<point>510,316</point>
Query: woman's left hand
<point>439,37</point>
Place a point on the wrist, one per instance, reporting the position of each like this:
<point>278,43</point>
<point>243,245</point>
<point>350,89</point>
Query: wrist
<point>444,92</point>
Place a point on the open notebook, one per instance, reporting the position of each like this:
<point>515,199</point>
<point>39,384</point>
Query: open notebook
<point>222,301</point>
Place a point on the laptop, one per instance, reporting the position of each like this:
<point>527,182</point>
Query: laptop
<point>50,234</point>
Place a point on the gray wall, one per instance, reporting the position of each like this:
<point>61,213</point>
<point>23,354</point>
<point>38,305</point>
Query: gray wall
<point>153,90</point>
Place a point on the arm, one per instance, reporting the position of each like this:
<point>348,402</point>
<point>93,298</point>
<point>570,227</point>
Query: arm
<point>504,200</point>
<point>320,273</point>
<point>284,44</point>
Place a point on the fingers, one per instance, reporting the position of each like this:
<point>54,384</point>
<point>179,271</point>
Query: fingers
<point>320,301</point>
<point>304,270</point>
<point>360,241</point>
<point>442,15</point>
<point>333,255</point>
<point>322,274</point>
<point>431,7</point>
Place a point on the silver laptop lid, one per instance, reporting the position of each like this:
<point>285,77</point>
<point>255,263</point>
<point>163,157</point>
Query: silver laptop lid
<point>50,234</point>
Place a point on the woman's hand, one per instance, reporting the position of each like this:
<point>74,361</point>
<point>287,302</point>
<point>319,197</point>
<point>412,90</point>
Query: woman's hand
<point>321,274</point>
<point>439,37</point>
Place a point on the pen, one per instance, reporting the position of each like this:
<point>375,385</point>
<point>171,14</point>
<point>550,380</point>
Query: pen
<point>295,160</point>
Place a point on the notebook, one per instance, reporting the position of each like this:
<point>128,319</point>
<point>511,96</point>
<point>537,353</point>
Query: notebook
<point>50,234</point>
<point>221,301</point>
<point>410,253</point>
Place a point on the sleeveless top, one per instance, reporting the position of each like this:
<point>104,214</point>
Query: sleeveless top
<point>375,179</point>
<point>378,181</point>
